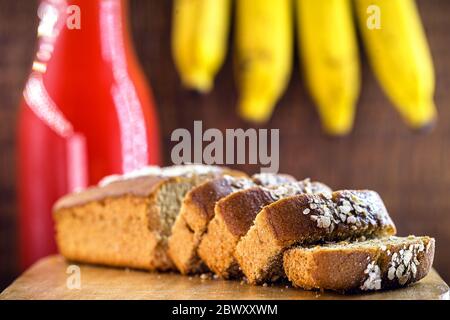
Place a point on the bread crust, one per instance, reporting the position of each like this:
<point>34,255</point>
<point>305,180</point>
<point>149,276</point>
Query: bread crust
<point>308,219</point>
<point>198,205</point>
<point>140,186</point>
<point>360,267</point>
<point>289,223</point>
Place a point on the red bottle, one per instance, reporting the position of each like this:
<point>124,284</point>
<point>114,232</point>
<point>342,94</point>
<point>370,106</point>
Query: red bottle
<point>87,112</point>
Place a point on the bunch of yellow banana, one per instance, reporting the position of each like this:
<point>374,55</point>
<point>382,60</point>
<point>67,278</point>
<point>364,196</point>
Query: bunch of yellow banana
<point>391,30</point>
<point>199,40</point>
<point>263,55</point>
<point>399,54</point>
<point>328,47</point>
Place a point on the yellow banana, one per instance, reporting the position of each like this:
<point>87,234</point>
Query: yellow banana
<point>263,55</point>
<point>328,47</point>
<point>398,51</point>
<point>199,40</point>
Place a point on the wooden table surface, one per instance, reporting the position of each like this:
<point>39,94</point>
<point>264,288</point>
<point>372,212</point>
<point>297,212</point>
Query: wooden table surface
<point>47,279</point>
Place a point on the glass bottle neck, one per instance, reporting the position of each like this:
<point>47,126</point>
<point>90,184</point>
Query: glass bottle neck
<point>78,30</point>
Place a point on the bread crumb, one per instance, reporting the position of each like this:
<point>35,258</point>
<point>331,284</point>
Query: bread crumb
<point>204,276</point>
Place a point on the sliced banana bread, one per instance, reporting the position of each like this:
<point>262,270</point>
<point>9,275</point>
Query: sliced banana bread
<point>360,266</point>
<point>308,219</point>
<point>126,221</point>
<point>234,216</point>
<point>197,210</point>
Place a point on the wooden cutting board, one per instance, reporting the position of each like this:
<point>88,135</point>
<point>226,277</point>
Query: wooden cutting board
<point>48,278</point>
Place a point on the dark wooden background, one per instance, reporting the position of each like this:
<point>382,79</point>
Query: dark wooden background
<point>411,171</point>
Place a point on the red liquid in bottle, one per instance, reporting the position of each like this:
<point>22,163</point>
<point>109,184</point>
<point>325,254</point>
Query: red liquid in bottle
<point>87,112</point>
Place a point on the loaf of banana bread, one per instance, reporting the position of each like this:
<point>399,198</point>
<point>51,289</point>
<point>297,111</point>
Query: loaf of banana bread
<point>196,218</point>
<point>127,219</point>
<point>369,265</point>
<point>197,210</point>
<point>308,219</point>
<point>234,216</point>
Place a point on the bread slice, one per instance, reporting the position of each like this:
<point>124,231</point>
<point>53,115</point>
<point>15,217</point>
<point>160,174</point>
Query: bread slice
<point>308,219</point>
<point>197,210</point>
<point>234,216</point>
<point>360,266</point>
<point>126,221</point>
